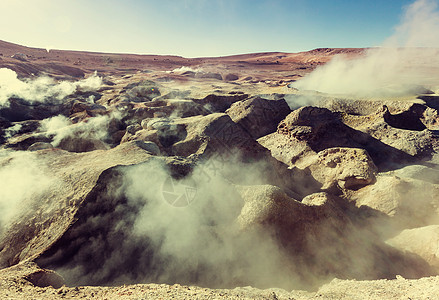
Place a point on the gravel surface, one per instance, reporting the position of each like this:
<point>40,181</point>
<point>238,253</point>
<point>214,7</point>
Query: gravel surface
<point>14,285</point>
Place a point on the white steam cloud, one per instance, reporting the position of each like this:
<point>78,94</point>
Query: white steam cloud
<point>199,243</point>
<point>11,131</point>
<point>41,89</point>
<point>205,234</point>
<point>406,61</point>
<point>186,69</point>
<point>95,128</point>
<point>23,178</point>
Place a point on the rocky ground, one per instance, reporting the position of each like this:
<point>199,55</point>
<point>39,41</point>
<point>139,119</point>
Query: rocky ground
<point>161,177</point>
<point>15,285</point>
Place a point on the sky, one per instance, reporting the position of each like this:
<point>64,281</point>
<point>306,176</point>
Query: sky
<point>198,28</point>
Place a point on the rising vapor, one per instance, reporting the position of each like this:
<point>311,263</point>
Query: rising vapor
<point>400,66</point>
<point>41,89</point>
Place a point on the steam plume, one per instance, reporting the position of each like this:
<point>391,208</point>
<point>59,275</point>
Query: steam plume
<point>96,128</point>
<point>406,60</point>
<point>41,89</point>
<point>23,177</point>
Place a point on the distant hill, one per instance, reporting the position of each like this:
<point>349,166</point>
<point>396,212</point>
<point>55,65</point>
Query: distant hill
<point>28,61</point>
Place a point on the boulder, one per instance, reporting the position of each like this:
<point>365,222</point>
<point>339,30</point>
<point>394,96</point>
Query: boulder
<point>258,116</point>
<point>175,94</point>
<point>143,135</point>
<point>320,129</point>
<point>219,103</point>
<point>190,74</point>
<point>140,91</point>
<point>286,149</point>
<point>81,144</point>
<point>185,108</point>
<point>132,129</point>
<point>209,75</point>
<point>404,131</point>
<point>318,232</point>
<point>39,146</point>
<point>85,96</point>
<point>215,133</point>
<point>347,168</point>
<point>151,147</point>
<point>409,202</point>
<point>31,273</point>
<point>362,107</point>
<point>422,241</point>
<point>24,141</point>
<point>21,110</point>
<point>91,108</point>
<point>231,77</point>
<point>20,56</point>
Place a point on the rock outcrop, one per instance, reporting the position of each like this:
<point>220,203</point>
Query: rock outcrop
<point>347,168</point>
<point>410,202</point>
<point>259,116</point>
<point>419,241</point>
<point>315,129</point>
<point>319,231</point>
<point>47,220</point>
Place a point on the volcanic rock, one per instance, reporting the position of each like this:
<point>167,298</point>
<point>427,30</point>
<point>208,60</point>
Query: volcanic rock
<point>344,188</point>
<point>148,146</point>
<point>20,56</point>
<point>404,131</point>
<point>219,103</point>
<point>259,116</point>
<point>141,91</point>
<point>362,107</point>
<point>81,144</point>
<point>421,241</point>
<point>306,228</point>
<point>320,129</point>
<point>39,146</point>
<point>418,172</point>
<point>46,222</point>
<point>215,133</point>
<point>24,141</point>
<point>91,109</point>
<point>231,77</point>
<point>21,110</point>
<point>348,168</point>
<point>209,75</point>
<point>409,202</point>
<point>30,272</point>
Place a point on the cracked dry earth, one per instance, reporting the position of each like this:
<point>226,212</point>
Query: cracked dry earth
<point>214,181</point>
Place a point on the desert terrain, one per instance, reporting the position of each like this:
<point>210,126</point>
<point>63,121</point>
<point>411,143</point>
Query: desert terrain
<point>154,177</point>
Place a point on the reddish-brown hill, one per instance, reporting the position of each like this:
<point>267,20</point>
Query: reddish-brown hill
<point>28,61</point>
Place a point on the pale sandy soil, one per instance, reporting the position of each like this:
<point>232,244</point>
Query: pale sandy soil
<point>15,284</point>
<point>425,288</point>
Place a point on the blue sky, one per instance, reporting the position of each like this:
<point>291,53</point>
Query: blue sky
<point>195,28</point>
